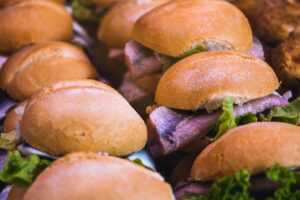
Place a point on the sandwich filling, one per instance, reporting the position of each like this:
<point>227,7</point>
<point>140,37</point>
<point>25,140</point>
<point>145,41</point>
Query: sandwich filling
<point>142,61</point>
<point>173,129</point>
<point>277,183</point>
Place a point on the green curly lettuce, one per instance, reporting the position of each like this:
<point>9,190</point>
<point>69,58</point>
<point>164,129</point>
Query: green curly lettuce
<point>21,171</point>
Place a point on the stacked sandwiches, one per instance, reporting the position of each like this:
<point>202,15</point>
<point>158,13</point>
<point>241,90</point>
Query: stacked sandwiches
<point>219,126</point>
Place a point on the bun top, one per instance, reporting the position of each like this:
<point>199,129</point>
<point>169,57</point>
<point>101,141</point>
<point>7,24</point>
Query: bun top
<point>117,24</point>
<point>104,3</point>
<point>10,2</point>
<point>254,147</point>
<point>99,177</point>
<point>205,80</point>
<point>33,21</point>
<point>23,74</point>
<point>82,115</point>
<point>179,26</point>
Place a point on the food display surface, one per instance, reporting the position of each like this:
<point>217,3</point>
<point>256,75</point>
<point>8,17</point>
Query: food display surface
<point>149,99</point>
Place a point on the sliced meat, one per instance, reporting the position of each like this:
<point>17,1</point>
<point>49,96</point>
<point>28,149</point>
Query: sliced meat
<point>257,49</point>
<point>115,53</point>
<point>200,188</point>
<point>171,130</point>
<point>260,186</point>
<point>5,104</point>
<point>138,98</point>
<point>140,60</point>
<point>2,60</point>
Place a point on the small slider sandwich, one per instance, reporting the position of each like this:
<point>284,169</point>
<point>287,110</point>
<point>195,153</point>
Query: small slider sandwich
<point>91,176</point>
<point>179,29</point>
<point>64,117</point>
<point>117,24</point>
<point>114,32</point>
<point>45,21</point>
<point>254,161</point>
<point>206,94</point>
<point>35,66</point>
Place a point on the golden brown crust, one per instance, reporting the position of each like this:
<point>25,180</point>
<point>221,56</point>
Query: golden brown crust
<point>14,116</point>
<point>205,79</point>
<point>33,21</point>
<point>10,2</point>
<point>24,72</point>
<point>98,177</point>
<point>178,26</point>
<point>254,147</point>
<point>104,3</point>
<point>117,24</point>
<point>82,115</point>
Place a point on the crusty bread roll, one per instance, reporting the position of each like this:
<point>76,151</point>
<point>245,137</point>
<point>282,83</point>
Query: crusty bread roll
<point>13,117</point>
<point>31,68</point>
<point>10,2</point>
<point>104,3</point>
<point>117,24</point>
<point>16,193</point>
<point>97,177</point>
<point>33,21</point>
<point>179,26</point>
<point>205,79</point>
<point>254,147</point>
<point>82,115</point>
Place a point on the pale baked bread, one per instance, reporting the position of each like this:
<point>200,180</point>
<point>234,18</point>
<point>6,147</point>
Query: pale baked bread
<point>31,68</point>
<point>205,80</point>
<point>179,26</point>
<point>89,176</point>
<point>104,3</point>
<point>10,2</point>
<point>13,117</point>
<point>117,24</point>
<point>82,115</point>
<point>254,147</point>
<point>33,21</point>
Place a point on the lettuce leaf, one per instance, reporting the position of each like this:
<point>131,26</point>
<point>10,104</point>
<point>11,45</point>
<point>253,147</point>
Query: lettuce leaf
<point>9,140</point>
<point>288,114</point>
<point>289,180</point>
<point>246,119</point>
<point>22,171</point>
<point>229,188</point>
<point>226,121</point>
<point>83,10</point>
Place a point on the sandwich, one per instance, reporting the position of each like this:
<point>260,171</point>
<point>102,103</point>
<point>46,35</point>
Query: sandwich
<point>33,67</point>
<point>45,21</point>
<point>179,29</point>
<point>64,118</point>
<point>254,161</point>
<point>117,24</point>
<point>99,177</point>
<point>206,94</point>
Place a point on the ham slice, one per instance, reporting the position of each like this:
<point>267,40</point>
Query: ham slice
<point>140,60</point>
<point>171,129</point>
